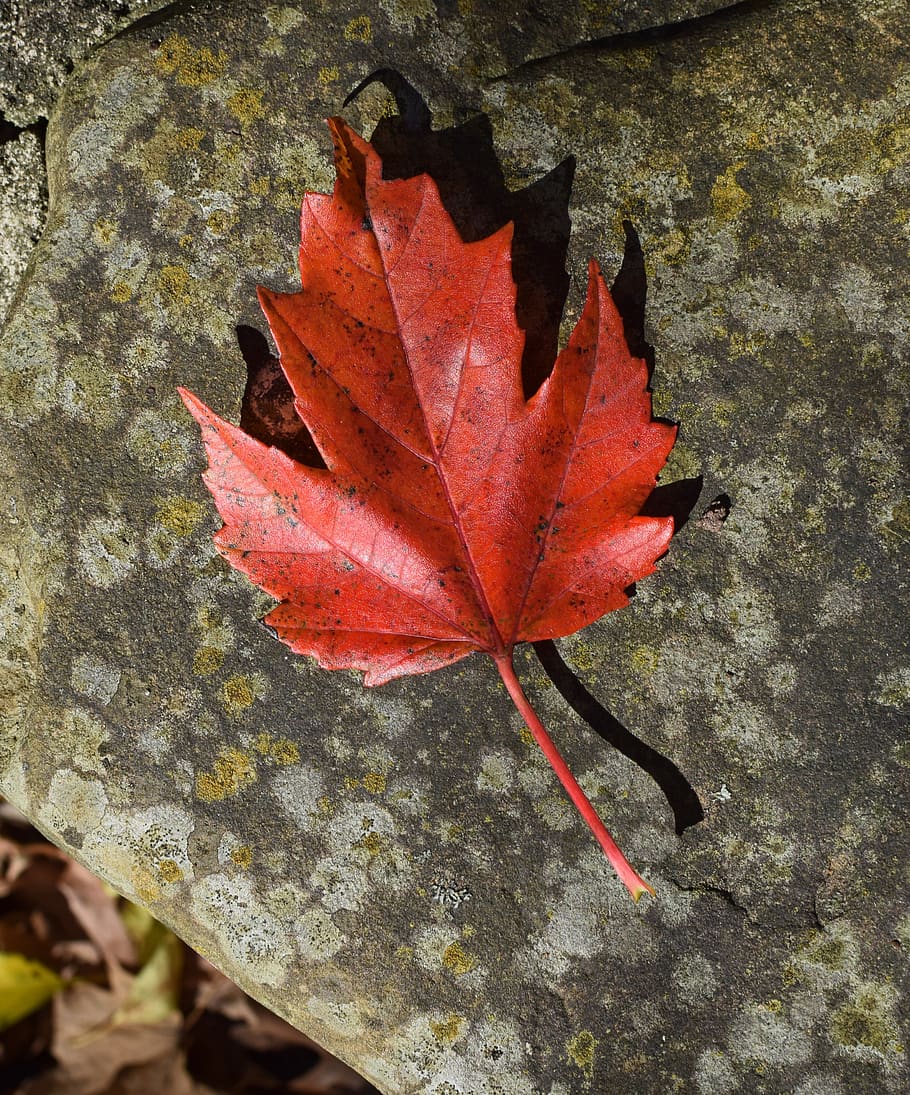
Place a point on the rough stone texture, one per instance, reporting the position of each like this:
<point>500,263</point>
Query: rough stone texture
<point>396,871</point>
<point>23,205</point>
<point>41,40</point>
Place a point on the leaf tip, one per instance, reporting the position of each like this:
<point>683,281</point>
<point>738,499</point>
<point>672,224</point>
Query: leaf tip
<point>639,887</point>
<point>195,406</point>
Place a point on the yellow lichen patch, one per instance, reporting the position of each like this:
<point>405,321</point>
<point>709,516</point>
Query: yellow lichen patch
<point>866,1020</point>
<point>232,771</point>
<point>104,232</point>
<point>281,750</point>
<point>207,659</point>
<point>671,249</point>
<point>191,67</point>
<point>284,751</point>
<point>446,1031</point>
<point>374,782</point>
<point>173,283</point>
<point>169,871</point>
<point>237,693</point>
<point>164,154</point>
<point>372,842</point>
<point>728,199</point>
<point>120,292</point>
<point>458,960</point>
<point>180,515</point>
<point>328,75</point>
<point>145,885</point>
<point>242,855</point>
<point>644,660</point>
<point>892,140</point>
<point>580,1052</point>
<point>747,345</point>
<point>260,186</point>
<point>723,412</point>
<point>220,222</point>
<point>246,105</point>
<point>360,29</point>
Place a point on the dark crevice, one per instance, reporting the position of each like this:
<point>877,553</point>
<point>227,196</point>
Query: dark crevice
<point>8,131</point>
<point>681,796</point>
<point>650,36</point>
<point>718,891</point>
<point>11,132</point>
<point>154,18</point>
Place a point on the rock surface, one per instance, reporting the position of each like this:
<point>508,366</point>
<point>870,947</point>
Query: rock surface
<point>41,40</point>
<point>396,871</point>
<point>23,205</point>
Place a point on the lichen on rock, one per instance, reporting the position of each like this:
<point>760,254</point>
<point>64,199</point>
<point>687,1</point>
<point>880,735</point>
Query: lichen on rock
<point>393,871</point>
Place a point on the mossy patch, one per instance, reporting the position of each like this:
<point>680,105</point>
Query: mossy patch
<point>162,157</point>
<point>207,659</point>
<point>825,950</point>
<point>180,515</point>
<point>644,660</point>
<point>169,871</point>
<point>242,855</point>
<point>372,843</point>
<point>374,782</point>
<point>173,285</point>
<point>238,693</point>
<point>864,1022</point>
<point>280,750</point>
<point>581,1051</point>
<point>359,29</point>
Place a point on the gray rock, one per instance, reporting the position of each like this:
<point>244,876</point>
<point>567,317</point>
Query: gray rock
<point>41,40</point>
<point>23,204</point>
<point>395,871</point>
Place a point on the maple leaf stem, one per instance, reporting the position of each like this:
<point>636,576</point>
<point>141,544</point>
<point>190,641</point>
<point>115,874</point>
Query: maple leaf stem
<point>633,882</point>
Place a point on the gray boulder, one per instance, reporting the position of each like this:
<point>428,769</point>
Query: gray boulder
<point>396,871</point>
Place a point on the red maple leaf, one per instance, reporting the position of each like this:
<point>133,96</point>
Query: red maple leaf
<point>452,515</point>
